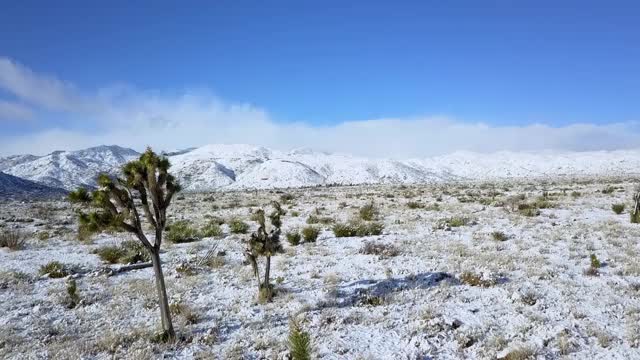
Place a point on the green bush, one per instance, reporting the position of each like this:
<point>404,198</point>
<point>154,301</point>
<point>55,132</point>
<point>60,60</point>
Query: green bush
<point>499,236</point>
<point>415,205</point>
<point>356,228</point>
<point>595,262</point>
<point>618,208</point>
<point>212,229</point>
<point>237,226</point>
<point>182,232</point>
<point>310,234</point>
<point>368,212</point>
<point>128,252</point>
<point>635,217</point>
<point>314,219</point>
<point>293,238</point>
<point>110,254</point>
<point>55,270</point>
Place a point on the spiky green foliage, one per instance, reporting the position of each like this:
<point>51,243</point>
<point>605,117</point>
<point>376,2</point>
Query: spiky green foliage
<point>54,269</point>
<point>128,252</point>
<point>211,229</point>
<point>595,262</point>
<point>266,243</point>
<point>310,234</point>
<point>113,206</point>
<point>237,226</point>
<point>182,232</point>
<point>81,195</point>
<point>73,298</point>
<point>618,208</point>
<point>293,237</point>
<point>299,342</point>
<point>357,228</point>
<point>369,212</point>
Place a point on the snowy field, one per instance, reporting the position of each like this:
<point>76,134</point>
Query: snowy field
<point>486,271</point>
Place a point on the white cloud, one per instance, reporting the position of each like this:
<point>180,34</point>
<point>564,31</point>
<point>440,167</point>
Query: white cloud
<point>134,118</point>
<point>11,111</point>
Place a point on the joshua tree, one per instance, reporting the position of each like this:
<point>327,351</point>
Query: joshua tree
<point>114,206</point>
<point>635,214</point>
<point>265,243</point>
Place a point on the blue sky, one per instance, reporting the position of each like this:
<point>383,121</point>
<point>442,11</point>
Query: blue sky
<point>319,65</point>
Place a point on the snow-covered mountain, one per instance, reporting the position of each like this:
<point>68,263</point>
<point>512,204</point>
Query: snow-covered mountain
<point>244,166</point>
<point>16,188</point>
<point>67,169</point>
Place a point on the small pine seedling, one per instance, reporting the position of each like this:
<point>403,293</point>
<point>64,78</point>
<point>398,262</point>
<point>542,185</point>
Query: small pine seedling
<point>299,342</point>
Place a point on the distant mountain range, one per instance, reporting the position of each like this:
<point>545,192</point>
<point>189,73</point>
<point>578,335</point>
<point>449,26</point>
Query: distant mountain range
<point>13,187</point>
<point>243,166</point>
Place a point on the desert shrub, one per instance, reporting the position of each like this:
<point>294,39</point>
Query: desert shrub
<point>293,238</point>
<point>134,252</point>
<point>499,236</point>
<point>529,210</point>
<point>54,269</point>
<point>110,253</point>
<point>380,249</point>
<point>575,194</point>
<point>299,342</point>
<point>357,228</point>
<point>543,203</point>
<point>237,226</point>
<point>474,279</point>
<point>128,252</point>
<point>415,205</point>
<point>73,298</point>
<point>295,213</point>
<point>314,219</point>
<point>521,353</point>
<point>211,229</point>
<point>284,198</point>
<point>12,278</point>
<point>181,232</point>
<point>13,239</point>
<point>618,208</point>
<point>368,212</point>
<point>635,217</point>
<point>608,190</point>
<point>455,221</point>
<point>43,235</point>
<point>310,234</point>
<point>185,311</point>
<point>595,262</point>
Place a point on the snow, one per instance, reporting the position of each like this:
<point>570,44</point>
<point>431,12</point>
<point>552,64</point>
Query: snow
<point>243,166</point>
<point>542,300</point>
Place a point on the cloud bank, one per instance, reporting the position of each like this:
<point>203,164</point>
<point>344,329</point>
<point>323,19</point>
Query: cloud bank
<point>136,118</point>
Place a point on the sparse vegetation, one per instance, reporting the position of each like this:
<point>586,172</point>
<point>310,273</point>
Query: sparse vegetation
<point>211,229</point>
<point>499,236</point>
<point>54,270</point>
<point>369,212</point>
<point>618,208</point>
<point>314,219</point>
<point>237,226</point>
<point>293,238</point>
<point>310,234</point>
<point>182,232</point>
<point>380,249</point>
<point>128,252</point>
<point>12,239</point>
<point>474,279</point>
<point>357,228</point>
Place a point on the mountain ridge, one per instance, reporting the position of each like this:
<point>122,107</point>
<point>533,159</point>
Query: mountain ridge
<point>242,166</point>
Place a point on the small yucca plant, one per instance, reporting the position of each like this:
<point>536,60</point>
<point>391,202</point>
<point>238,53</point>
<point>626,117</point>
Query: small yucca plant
<point>299,342</point>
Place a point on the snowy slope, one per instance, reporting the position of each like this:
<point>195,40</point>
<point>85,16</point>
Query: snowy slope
<point>12,187</point>
<point>244,166</point>
<point>68,169</point>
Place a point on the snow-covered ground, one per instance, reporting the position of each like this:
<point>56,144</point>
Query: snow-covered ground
<point>417,304</point>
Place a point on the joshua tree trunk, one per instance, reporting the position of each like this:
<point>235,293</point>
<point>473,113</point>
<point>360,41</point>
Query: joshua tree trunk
<point>267,270</point>
<point>165,315</point>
